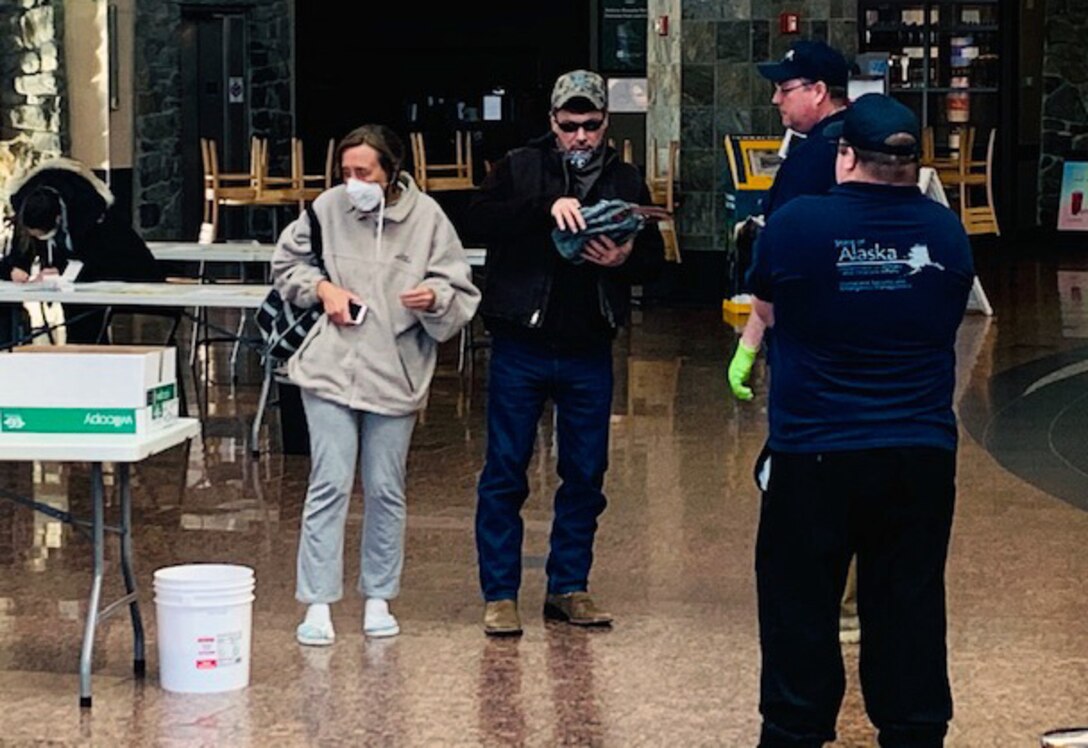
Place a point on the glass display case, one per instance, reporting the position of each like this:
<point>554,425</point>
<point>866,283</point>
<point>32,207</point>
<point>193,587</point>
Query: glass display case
<point>943,61</point>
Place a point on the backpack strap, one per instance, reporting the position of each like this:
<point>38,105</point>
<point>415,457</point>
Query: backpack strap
<point>316,245</point>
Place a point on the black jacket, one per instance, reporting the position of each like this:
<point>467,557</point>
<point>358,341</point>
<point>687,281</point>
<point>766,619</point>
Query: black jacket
<point>528,286</point>
<point>108,247</point>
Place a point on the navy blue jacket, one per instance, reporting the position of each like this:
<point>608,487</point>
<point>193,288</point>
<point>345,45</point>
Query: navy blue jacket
<point>809,168</point>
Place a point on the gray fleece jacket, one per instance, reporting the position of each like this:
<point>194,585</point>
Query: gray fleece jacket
<point>385,364</point>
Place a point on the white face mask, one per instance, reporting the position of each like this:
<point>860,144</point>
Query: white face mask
<point>365,196</point>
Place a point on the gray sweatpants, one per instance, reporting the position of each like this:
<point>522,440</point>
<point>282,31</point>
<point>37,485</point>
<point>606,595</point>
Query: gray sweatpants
<point>337,434</point>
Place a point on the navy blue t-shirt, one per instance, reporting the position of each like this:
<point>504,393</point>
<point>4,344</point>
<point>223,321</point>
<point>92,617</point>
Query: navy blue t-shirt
<point>808,169</point>
<point>869,285</point>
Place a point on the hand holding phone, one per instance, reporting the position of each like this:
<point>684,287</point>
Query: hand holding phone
<point>356,312</point>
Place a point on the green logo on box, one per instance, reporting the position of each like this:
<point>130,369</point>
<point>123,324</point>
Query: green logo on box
<point>161,394</point>
<point>68,420</point>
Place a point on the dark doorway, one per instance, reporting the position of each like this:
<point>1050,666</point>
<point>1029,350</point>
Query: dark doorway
<point>410,68</point>
<point>214,104</point>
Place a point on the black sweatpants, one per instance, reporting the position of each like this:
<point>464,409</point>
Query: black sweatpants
<point>893,508</point>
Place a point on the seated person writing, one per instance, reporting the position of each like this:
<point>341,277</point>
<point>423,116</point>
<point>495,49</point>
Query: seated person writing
<point>64,212</point>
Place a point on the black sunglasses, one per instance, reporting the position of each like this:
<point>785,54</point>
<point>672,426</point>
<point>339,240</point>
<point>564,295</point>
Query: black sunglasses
<point>590,125</point>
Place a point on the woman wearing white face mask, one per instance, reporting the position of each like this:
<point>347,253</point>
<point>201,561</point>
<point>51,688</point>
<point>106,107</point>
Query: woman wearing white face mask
<point>398,284</point>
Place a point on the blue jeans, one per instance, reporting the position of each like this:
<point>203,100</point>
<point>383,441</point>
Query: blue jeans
<point>522,377</point>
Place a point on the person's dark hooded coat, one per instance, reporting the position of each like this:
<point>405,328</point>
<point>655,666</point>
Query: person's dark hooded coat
<point>90,229</point>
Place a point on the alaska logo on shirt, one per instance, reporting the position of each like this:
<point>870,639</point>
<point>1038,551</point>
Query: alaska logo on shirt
<point>865,266</point>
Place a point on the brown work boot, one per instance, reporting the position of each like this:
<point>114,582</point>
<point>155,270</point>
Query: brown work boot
<point>501,618</point>
<point>576,608</point>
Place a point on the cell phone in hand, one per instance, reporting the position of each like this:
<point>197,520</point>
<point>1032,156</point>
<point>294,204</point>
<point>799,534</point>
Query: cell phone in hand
<point>356,312</point>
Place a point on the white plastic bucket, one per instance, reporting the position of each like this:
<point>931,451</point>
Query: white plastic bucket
<point>205,625</point>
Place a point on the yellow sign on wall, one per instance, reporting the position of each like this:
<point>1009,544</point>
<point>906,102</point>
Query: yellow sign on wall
<point>753,160</point>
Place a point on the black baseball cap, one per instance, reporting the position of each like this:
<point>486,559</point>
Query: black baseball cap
<point>872,120</point>
<point>811,60</point>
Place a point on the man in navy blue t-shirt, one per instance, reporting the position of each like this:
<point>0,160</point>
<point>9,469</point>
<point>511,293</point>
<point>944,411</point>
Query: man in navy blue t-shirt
<point>865,288</point>
<point>810,93</point>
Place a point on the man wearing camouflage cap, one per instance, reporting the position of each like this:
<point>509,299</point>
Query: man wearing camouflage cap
<point>552,322</point>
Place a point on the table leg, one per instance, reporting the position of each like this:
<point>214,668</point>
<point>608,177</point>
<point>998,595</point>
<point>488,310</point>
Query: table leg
<point>235,348</point>
<point>98,536</point>
<point>262,403</point>
<point>139,663</point>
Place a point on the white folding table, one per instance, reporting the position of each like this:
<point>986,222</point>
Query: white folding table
<point>199,296</point>
<point>123,293</point>
<point>98,449</point>
<point>192,252</point>
<point>240,252</point>
<point>237,252</point>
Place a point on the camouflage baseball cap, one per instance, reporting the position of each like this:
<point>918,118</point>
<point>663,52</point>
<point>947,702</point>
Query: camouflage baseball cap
<point>579,84</point>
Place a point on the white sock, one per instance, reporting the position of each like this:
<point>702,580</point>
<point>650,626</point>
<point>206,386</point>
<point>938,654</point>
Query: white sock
<point>318,614</point>
<point>377,620</point>
<point>376,607</point>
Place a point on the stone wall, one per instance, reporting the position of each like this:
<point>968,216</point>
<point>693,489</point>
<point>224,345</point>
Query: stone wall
<point>32,113</point>
<point>157,179</point>
<point>722,93</point>
<point>1065,100</point>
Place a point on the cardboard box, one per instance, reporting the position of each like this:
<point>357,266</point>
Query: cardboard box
<point>89,389</point>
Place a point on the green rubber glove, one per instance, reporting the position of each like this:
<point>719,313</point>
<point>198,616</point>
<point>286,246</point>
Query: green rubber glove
<point>739,369</point>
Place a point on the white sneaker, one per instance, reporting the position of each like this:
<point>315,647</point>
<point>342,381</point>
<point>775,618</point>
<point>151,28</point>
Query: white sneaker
<point>378,621</point>
<point>316,629</point>
<point>314,635</point>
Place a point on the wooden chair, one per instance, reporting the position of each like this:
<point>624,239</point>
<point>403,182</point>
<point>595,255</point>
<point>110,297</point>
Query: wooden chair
<point>433,177</point>
<point>929,153</point>
<point>970,174</point>
<point>627,153</point>
<point>983,219</point>
<point>309,186</point>
<point>223,188</point>
<point>662,186</point>
<point>273,190</point>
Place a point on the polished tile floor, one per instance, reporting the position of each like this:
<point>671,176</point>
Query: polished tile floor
<point>674,563</point>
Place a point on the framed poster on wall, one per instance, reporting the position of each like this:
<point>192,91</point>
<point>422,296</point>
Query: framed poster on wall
<point>1072,210</point>
<point>623,37</point>
<point>753,160</point>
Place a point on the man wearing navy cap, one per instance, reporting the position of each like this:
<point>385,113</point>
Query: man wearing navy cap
<point>865,288</point>
<point>810,93</point>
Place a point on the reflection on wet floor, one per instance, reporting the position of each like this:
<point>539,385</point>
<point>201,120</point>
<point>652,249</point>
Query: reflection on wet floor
<point>674,563</point>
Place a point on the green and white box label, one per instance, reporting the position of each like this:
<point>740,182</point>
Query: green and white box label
<point>161,394</point>
<point>68,420</point>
